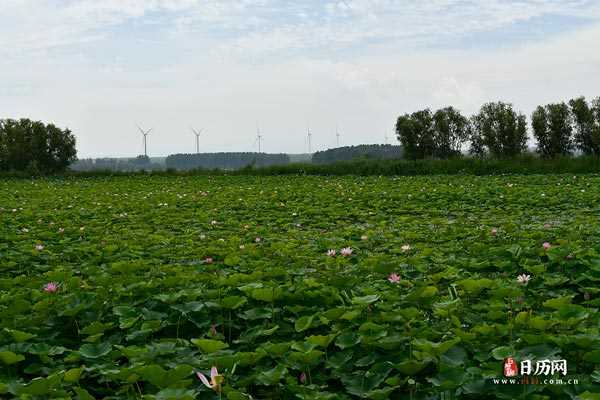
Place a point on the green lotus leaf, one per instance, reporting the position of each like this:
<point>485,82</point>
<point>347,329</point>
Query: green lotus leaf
<point>10,358</point>
<point>347,339</point>
<point>233,302</point>
<point>271,376</point>
<point>209,345</point>
<point>95,350</point>
<point>303,323</point>
<point>19,336</point>
<point>365,300</point>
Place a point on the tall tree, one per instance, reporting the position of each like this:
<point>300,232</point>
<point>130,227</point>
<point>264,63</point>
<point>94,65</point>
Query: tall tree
<point>32,145</point>
<point>539,124</point>
<point>586,120</point>
<point>450,132</point>
<point>498,130</point>
<point>553,129</point>
<point>415,132</point>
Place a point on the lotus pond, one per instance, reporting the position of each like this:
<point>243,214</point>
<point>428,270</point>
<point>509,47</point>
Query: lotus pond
<point>297,287</point>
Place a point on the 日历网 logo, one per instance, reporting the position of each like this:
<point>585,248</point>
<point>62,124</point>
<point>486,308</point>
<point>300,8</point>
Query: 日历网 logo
<point>532,372</point>
<point>541,367</point>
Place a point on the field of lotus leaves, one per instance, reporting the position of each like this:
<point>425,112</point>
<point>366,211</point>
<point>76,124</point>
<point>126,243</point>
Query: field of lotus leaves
<point>297,287</point>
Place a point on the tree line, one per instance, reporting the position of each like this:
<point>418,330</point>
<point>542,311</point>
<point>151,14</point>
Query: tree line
<point>366,151</point>
<point>226,161</point>
<point>33,146</point>
<point>500,131</point>
<point>138,163</point>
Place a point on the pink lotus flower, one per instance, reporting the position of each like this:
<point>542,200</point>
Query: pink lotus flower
<point>61,230</point>
<point>364,237</point>
<point>208,260</point>
<point>546,246</point>
<point>523,279</point>
<point>39,247</point>
<point>346,251</point>
<point>51,287</point>
<point>257,240</point>
<point>216,380</point>
<point>213,330</point>
<point>394,278</point>
<point>331,253</point>
<point>406,248</point>
<point>302,378</point>
<point>494,231</point>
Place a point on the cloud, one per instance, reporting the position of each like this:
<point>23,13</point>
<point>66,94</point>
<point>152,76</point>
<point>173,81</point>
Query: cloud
<point>99,67</point>
<point>265,27</point>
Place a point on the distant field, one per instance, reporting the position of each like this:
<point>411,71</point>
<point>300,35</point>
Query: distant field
<point>161,277</point>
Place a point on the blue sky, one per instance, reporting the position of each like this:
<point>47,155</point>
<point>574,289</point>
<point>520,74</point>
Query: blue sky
<point>100,67</point>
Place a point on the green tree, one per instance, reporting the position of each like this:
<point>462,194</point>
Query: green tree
<point>586,121</point>
<point>34,146</point>
<point>451,130</point>
<point>347,153</point>
<point>416,133</point>
<point>553,129</point>
<point>498,130</point>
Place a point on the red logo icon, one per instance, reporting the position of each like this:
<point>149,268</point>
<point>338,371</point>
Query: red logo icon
<point>510,367</point>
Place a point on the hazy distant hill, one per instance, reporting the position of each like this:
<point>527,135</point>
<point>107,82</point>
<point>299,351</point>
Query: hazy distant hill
<point>119,164</point>
<point>235,160</point>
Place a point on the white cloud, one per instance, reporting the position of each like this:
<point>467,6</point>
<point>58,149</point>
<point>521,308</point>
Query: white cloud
<point>101,66</point>
<point>267,26</point>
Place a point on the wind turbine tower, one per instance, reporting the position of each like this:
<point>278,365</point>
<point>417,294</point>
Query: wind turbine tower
<point>258,138</point>
<point>145,134</point>
<point>197,134</point>
<point>309,136</point>
<point>337,136</point>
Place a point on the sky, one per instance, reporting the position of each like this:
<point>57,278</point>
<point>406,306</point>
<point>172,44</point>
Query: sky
<point>230,66</point>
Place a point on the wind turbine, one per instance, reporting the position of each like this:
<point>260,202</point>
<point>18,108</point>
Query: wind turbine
<point>309,136</point>
<point>258,138</point>
<point>337,136</point>
<point>145,134</point>
<point>197,134</point>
